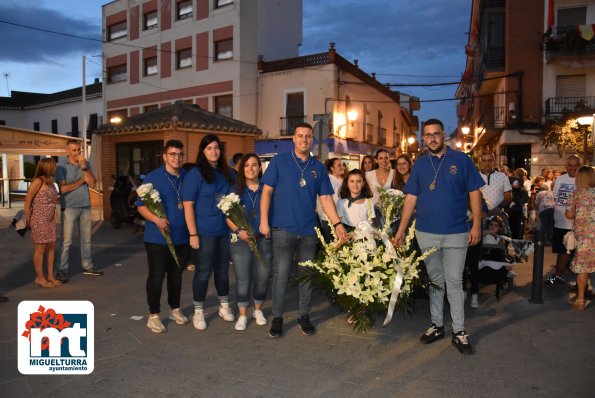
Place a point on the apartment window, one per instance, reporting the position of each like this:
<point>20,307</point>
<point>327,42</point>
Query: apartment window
<point>221,3</point>
<point>223,49</point>
<point>112,116</point>
<point>74,126</point>
<point>93,123</point>
<point>572,16</point>
<point>55,126</point>
<point>36,126</point>
<point>150,20</point>
<point>184,58</point>
<point>150,66</point>
<point>117,30</point>
<point>224,105</point>
<point>370,132</point>
<point>151,108</point>
<point>116,74</point>
<point>184,9</point>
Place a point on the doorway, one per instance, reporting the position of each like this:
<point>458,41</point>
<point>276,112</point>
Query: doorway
<point>518,156</point>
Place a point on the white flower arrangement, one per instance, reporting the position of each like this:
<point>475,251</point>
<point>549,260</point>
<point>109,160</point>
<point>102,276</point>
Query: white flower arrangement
<point>152,200</point>
<point>367,277</point>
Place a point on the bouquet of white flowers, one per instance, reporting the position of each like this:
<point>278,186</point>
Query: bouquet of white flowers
<point>232,208</point>
<point>367,277</point>
<point>390,203</point>
<point>151,199</point>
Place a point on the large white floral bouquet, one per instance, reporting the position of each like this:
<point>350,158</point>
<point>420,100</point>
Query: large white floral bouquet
<point>232,208</point>
<point>367,277</point>
<point>151,199</point>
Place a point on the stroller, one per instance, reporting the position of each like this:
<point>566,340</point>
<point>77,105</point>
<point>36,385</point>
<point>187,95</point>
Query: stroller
<point>494,259</point>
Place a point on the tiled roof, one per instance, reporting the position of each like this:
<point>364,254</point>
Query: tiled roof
<point>179,115</point>
<point>22,100</point>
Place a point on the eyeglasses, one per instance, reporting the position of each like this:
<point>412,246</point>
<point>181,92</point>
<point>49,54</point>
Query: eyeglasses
<point>175,155</point>
<point>435,134</point>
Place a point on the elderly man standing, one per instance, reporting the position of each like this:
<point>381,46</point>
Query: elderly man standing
<point>292,182</point>
<point>74,177</point>
<point>563,188</point>
<point>441,184</point>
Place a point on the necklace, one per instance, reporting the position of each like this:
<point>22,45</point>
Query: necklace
<point>436,170</point>
<point>253,200</point>
<point>302,179</point>
<point>178,190</point>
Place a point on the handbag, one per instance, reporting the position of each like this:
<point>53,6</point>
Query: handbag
<point>19,222</point>
<point>569,241</point>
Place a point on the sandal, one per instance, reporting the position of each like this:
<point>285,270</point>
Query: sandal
<point>579,304</point>
<point>44,284</point>
<point>55,282</point>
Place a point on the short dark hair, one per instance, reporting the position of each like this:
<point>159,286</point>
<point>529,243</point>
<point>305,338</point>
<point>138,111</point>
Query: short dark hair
<point>329,163</point>
<point>173,144</point>
<point>429,122</point>
<point>236,157</point>
<point>304,125</point>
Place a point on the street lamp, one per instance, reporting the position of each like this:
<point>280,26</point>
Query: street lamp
<point>584,122</point>
<point>465,130</point>
<point>351,118</point>
<point>458,144</point>
<point>115,120</point>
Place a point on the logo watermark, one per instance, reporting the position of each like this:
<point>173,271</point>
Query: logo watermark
<point>56,337</point>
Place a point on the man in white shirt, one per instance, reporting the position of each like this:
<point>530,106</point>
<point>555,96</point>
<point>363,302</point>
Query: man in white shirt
<point>497,192</point>
<point>563,187</point>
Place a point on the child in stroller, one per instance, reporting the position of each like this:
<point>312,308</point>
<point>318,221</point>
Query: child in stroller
<point>498,252</point>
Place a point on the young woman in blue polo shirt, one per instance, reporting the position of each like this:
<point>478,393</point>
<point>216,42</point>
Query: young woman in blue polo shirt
<point>202,189</point>
<point>248,268</point>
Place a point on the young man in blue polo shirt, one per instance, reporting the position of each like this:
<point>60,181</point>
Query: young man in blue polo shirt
<point>74,177</point>
<point>167,180</point>
<point>292,182</point>
<point>441,184</point>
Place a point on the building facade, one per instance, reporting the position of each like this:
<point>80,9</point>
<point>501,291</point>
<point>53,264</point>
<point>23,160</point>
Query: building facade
<point>203,52</point>
<point>515,78</point>
<point>352,113</point>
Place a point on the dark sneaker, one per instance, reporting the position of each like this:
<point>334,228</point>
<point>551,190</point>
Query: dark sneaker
<point>62,276</point>
<point>432,334</point>
<point>459,340</point>
<point>307,328</point>
<point>276,327</point>
<point>93,272</point>
<point>554,280</point>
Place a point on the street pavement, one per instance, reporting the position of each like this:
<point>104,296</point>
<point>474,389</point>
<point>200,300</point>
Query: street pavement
<point>521,349</point>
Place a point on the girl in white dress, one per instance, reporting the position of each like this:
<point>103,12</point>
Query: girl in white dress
<point>355,203</point>
<point>382,177</point>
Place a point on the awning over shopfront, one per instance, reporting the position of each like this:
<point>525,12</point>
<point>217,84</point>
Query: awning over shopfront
<point>15,141</point>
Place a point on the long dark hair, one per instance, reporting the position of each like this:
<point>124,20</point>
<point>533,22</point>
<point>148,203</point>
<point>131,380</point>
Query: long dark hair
<point>203,165</point>
<point>241,177</point>
<point>344,192</point>
<point>330,163</point>
<point>398,180</point>
<point>364,161</point>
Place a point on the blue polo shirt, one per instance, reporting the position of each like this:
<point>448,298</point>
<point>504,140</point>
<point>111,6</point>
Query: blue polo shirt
<point>169,199</point>
<point>293,208</point>
<point>251,202</point>
<point>67,172</point>
<point>443,210</point>
<point>210,220</point>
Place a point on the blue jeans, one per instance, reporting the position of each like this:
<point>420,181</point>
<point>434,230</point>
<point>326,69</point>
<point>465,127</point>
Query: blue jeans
<point>213,256</point>
<point>287,248</point>
<point>82,217</point>
<point>249,268</point>
<point>446,265</point>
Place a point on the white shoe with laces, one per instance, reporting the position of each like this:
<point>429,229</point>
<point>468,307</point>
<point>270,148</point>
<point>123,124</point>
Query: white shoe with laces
<point>178,316</point>
<point>154,323</point>
<point>242,322</point>
<point>198,320</point>
<point>260,318</point>
<point>226,312</point>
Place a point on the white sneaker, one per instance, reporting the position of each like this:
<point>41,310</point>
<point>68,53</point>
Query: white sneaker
<point>259,316</point>
<point>474,301</point>
<point>198,320</point>
<point>242,322</point>
<point>154,323</point>
<point>177,315</point>
<point>226,312</point>
<point>511,274</point>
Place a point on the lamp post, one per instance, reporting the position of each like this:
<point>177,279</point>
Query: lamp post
<point>410,141</point>
<point>584,122</point>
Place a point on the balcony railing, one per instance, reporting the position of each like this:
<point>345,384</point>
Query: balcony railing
<point>495,118</point>
<point>288,124</point>
<point>567,40</point>
<point>557,107</point>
